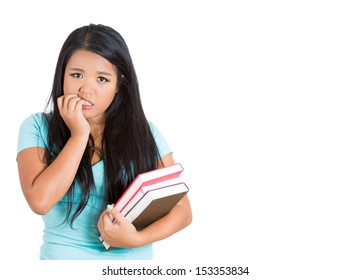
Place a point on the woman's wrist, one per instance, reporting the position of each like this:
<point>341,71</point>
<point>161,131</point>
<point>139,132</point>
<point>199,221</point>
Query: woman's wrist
<point>82,137</point>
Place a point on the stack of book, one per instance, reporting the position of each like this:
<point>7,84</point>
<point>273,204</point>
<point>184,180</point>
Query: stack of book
<point>151,196</point>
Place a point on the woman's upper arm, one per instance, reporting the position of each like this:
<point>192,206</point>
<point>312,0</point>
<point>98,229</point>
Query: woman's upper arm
<point>166,160</point>
<point>30,164</point>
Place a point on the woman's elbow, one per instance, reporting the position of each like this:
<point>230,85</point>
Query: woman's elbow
<point>39,207</point>
<point>189,218</point>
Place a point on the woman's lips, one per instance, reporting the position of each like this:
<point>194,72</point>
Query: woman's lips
<point>87,105</point>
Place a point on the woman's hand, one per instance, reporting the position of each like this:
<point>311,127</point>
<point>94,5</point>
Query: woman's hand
<point>70,108</point>
<point>119,233</point>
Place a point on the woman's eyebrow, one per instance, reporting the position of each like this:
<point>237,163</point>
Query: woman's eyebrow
<point>98,72</point>
<point>104,73</point>
<point>76,69</point>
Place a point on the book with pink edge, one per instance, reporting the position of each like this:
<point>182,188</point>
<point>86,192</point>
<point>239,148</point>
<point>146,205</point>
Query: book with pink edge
<point>150,196</point>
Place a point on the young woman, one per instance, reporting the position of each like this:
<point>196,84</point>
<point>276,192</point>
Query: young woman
<point>83,152</point>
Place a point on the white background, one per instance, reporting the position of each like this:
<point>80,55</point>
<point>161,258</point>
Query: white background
<point>254,99</point>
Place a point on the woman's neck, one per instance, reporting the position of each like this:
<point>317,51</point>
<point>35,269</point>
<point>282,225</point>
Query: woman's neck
<point>96,132</point>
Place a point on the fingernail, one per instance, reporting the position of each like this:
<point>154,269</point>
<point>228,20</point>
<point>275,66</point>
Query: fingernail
<point>109,206</point>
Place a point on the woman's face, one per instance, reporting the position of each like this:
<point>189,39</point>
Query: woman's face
<point>94,79</point>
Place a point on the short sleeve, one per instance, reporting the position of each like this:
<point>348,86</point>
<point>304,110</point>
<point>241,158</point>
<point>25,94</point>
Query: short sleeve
<point>161,142</point>
<point>32,133</point>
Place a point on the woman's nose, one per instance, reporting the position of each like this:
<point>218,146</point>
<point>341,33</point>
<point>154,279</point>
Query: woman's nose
<point>86,87</point>
<point>83,90</point>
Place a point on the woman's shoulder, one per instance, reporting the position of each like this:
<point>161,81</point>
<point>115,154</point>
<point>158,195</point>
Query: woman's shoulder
<point>33,132</point>
<point>152,126</point>
<point>161,142</point>
<point>36,118</point>
<point>35,123</point>
<point>154,129</point>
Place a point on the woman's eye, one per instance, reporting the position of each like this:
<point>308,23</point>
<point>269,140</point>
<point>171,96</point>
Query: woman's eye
<point>76,75</point>
<point>102,80</point>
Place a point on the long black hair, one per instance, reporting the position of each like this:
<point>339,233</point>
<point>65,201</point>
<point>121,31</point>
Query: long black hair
<point>128,147</point>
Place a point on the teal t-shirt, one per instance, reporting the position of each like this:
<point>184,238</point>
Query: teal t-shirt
<point>81,242</point>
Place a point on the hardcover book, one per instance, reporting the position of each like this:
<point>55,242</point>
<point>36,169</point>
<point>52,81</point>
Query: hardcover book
<point>151,196</point>
<point>147,179</point>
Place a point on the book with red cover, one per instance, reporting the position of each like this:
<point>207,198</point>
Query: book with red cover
<point>147,179</point>
<point>151,195</point>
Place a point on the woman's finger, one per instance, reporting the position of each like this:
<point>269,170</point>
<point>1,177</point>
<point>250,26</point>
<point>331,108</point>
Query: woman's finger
<point>70,102</point>
<point>116,216</point>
